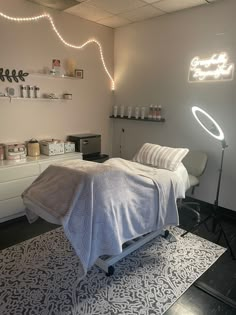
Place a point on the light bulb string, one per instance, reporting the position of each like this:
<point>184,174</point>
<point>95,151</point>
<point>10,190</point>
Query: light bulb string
<point>48,16</point>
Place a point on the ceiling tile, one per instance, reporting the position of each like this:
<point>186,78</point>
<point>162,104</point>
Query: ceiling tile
<point>175,5</point>
<point>114,21</point>
<point>116,13</point>
<point>142,13</point>
<point>58,5</point>
<point>88,11</point>
<point>117,6</point>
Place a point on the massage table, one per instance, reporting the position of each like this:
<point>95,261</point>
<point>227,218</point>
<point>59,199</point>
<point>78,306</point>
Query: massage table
<point>107,210</point>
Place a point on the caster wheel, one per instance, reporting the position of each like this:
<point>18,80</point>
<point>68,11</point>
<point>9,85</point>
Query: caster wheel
<point>111,271</point>
<point>166,234</point>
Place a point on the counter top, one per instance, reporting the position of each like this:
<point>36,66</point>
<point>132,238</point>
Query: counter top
<point>40,158</point>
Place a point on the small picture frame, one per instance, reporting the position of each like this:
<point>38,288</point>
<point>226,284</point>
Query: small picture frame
<point>56,63</point>
<point>79,73</point>
<point>56,67</point>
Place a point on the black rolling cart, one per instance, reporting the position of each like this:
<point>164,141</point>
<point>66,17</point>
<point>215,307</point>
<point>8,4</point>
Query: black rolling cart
<point>100,158</point>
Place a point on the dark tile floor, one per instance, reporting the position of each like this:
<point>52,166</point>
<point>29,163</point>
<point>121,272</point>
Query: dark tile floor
<point>213,294</point>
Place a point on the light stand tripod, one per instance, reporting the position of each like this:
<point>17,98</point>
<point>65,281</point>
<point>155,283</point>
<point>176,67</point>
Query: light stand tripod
<point>216,216</point>
<point>215,213</point>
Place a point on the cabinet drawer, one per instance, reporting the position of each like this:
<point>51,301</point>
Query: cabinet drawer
<point>11,208</point>
<point>15,188</point>
<point>19,171</point>
<point>44,165</point>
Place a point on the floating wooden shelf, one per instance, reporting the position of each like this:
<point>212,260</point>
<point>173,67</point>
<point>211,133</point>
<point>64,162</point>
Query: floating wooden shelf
<point>139,119</point>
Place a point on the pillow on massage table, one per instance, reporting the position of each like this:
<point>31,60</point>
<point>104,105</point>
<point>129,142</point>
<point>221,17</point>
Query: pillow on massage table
<point>159,156</point>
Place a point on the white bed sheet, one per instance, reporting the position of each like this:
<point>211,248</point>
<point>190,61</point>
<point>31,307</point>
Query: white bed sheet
<point>181,186</point>
<point>101,206</point>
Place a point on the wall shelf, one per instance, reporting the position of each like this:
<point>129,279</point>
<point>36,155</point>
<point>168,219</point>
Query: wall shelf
<point>43,75</point>
<point>52,76</point>
<point>32,99</point>
<point>139,119</point>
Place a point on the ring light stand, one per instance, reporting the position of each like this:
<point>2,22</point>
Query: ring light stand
<point>214,215</point>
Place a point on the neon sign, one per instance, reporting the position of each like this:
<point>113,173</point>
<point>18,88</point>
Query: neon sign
<point>215,68</point>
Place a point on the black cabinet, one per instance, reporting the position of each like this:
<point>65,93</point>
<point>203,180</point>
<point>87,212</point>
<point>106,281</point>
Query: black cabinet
<point>100,158</point>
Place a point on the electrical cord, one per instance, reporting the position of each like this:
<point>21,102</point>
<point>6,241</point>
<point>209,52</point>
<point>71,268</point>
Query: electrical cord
<point>121,134</point>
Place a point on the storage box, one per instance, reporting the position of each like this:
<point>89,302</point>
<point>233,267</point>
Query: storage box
<point>51,147</point>
<point>15,151</point>
<point>69,147</point>
<point>2,151</point>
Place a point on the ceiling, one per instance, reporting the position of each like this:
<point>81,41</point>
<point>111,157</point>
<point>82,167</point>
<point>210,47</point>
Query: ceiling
<point>116,13</point>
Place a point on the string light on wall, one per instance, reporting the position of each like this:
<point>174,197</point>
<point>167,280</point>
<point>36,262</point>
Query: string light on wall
<point>48,16</point>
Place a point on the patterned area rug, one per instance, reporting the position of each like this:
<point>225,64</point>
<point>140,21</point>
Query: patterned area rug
<point>40,276</point>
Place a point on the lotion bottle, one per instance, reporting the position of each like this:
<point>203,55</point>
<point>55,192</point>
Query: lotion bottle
<point>150,114</point>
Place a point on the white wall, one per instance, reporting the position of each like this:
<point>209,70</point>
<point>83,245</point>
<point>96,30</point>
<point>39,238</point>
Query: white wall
<point>151,66</point>
<point>31,47</point>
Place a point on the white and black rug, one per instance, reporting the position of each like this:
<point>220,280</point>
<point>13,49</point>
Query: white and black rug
<point>40,277</point>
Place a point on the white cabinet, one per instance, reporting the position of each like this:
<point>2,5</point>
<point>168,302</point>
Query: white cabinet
<point>15,177</point>
<point>10,170</point>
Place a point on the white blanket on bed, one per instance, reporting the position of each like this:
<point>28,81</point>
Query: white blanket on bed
<point>103,205</point>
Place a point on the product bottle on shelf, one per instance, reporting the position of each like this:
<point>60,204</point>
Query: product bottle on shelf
<point>159,112</point>
<point>122,111</point>
<point>115,110</point>
<point>136,112</point>
<point>30,91</point>
<point>23,91</point>
<point>143,109</point>
<point>129,111</point>
<point>150,114</point>
<point>155,112</point>
<point>36,91</point>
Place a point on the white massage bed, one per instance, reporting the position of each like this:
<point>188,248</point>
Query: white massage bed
<point>102,206</point>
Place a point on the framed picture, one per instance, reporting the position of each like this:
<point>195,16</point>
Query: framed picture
<point>79,73</point>
<point>56,63</point>
<point>56,66</point>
